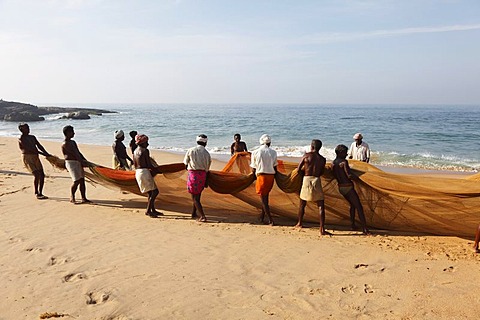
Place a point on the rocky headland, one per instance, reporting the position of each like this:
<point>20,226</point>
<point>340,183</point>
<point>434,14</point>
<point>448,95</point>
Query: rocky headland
<point>18,112</point>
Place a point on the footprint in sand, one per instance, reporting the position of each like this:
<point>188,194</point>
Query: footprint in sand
<point>97,297</point>
<point>348,289</point>
<point>360,265</point>
<point>368,288</point>
<point>15,240</point>
<point>34,249</point>
<point>71,277</point>
<point>54,261</point>
<point>450,269</point>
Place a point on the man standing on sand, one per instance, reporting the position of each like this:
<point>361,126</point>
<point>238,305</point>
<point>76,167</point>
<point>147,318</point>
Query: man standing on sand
<point>74,162</point>
<point>238,145</point>
<point>143,174</point>
<point>359,150</point>
<point>197,161</point>
<point>31,148</point>
<point>132,144</point>
<point>313,165</point>
<point>264,166</point>
<point>342,173</point>
<point>120,155</point>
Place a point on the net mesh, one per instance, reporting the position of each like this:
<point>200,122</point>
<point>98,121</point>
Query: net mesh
<point>402,202</point>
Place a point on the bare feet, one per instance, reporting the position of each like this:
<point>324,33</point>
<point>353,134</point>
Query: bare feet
<point>151,214</point>
<point>477,250</point>
<point>158,213</point>
<point>325,233</point>
<point>41,197</point>
<point>72,200</point>
<point>194,215</point>
<point>298,226</point>
<point>202,219</point>
<point>85,201</point>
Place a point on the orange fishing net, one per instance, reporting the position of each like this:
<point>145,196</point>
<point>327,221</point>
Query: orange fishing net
<point>410,203</point>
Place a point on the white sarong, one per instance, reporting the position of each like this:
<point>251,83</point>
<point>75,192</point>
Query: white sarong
<point>311,189</point>
<point>74,167</point>
<point>145,180</point>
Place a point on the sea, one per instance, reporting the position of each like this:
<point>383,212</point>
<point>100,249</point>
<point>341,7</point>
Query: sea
<point>428,137</point>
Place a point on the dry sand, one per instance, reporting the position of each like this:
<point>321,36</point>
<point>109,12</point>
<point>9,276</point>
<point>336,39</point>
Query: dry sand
<point>109,261</point>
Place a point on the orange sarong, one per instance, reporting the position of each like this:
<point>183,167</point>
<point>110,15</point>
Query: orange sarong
<point>264,184</point>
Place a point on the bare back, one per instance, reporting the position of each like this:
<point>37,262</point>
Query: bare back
<point>28,144</point>
<point>313,164</point>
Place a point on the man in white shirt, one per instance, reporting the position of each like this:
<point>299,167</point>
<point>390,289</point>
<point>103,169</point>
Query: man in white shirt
<point>359,150</point>
<point>197,161</point>
<point>264,164</point>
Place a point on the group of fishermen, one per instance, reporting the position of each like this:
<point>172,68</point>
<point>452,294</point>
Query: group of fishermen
<point>197,162</point>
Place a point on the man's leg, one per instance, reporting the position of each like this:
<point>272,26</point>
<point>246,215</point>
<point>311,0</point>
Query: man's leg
<point>321,211</point>
<point>352,216</point>
<point>301,213</point>
<point>266,209</point>
<point>41,182</point>
<point>355,203</point>
<point>199,207</point>
<point>152,198</point>
<point>83,191</point>
<point>36,181</point>
<point>73,189</point>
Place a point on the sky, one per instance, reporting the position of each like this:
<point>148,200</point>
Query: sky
<point>277,51</point>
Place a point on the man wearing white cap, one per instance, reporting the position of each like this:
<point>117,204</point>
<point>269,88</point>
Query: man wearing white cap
<point>264,164</point>
<point>120,155</point>
<point>197,161</point>
<point>359,150</point>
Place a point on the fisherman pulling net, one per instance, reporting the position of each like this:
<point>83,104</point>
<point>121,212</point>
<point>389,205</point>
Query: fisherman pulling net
<point>402,202</point>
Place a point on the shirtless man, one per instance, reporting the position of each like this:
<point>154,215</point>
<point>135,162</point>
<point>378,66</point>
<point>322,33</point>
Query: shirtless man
<point>238,145</point>
<point>74,162</point>
<point>477,240</point>
<point>132,144</point>
<point>341,171</point>
<point>313,165</point>
<point>31,148</point>
<point>143,174</point>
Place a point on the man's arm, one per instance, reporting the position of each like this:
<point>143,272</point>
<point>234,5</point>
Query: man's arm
<point>350,152</point>
<point>323,162</point>
<point>41,148</point>
<point>300,165</point>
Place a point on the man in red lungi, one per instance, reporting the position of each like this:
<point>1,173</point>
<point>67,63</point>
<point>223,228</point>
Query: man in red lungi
<point>264,164</point>
<point>197,161</point>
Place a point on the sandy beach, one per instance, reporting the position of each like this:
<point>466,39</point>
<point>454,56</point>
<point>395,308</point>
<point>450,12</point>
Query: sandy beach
<point>109,261</point>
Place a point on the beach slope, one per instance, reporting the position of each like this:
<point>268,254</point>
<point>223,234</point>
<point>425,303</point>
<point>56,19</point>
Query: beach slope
<point>109,261</point>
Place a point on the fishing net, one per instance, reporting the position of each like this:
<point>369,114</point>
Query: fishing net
<point>402,202</point>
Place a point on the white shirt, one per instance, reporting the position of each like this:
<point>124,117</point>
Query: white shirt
<point>361,152</point>
<point>264,160</point>
<point>197,158</point>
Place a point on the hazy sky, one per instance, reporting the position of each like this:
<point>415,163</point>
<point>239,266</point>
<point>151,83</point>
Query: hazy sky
<point>357,51</point>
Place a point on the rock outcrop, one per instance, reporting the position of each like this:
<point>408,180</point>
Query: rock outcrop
<point>23,112</point>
